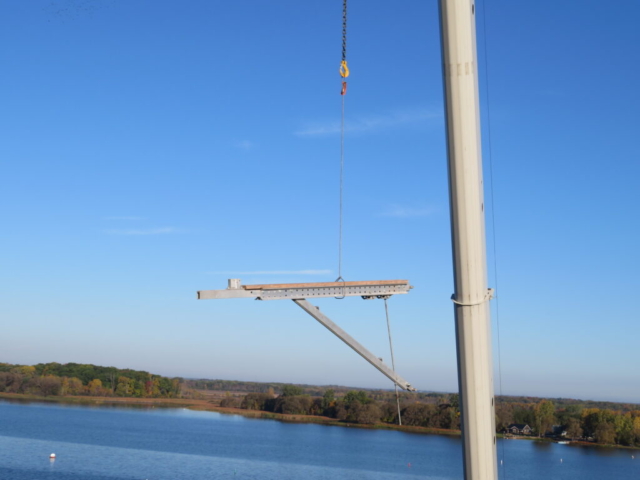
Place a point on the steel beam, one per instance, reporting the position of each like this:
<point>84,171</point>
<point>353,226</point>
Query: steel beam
<point>228,293</point>
<point>349,340</point>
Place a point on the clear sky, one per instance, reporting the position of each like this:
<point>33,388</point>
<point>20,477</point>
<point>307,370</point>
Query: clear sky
<point>154,148</point>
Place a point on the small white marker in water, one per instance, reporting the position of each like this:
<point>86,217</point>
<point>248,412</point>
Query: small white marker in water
<point>560,460</point>
<point>52,456</point>
<point>500,462</point>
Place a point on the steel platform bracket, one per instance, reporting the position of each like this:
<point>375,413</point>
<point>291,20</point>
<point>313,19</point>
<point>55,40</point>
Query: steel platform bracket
<point>299,292</point>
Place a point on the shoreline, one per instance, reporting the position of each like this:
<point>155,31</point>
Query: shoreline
<point>207,406</point>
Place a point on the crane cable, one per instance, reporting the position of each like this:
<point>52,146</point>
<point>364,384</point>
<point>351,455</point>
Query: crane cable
<point>393,362</point>
<point>493,216</point>
<point>344,73</point>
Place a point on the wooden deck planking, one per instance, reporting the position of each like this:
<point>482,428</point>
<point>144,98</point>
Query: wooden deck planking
<point>280,286</point>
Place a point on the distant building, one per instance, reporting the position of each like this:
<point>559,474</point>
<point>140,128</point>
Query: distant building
<point>519,429</point>
<point>559,430</point>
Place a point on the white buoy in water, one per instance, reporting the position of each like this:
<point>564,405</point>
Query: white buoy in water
<point>52,456</point>
<point>560,460</point>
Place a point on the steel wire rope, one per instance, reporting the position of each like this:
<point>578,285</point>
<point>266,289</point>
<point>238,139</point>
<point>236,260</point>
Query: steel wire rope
<point>393,361</point>
<point>493,211</point>
<point>341,193</point>
<point>344,73</point>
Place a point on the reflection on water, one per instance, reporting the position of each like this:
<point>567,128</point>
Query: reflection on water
<point>541,445</point>
<point>118,405</point>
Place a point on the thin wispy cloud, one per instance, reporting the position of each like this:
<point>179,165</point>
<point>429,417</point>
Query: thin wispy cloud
<point>399,211</point>
<point>275,272</point>
<point>143,231</point>
<point>124,218</point>
<point>371,123</point>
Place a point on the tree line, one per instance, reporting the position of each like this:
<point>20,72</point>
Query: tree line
<point>605,426</point>
<point>240,386</point>
<point>435,398</point>
<point>352,407</point>
<point>601,425</point>
<point>55,379</point>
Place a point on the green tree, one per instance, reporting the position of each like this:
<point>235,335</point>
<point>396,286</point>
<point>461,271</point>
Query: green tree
<point>623,426</point>
<point>24,370</point>
<point>454,401</point>
<point>368,414</point>
<point>523,414</point>
<point>419,415</point>
<point>328,398</point>
<point>569,411</point>
<point>504,416</point>
<point>544,416</point>
<point>356,396</point>
<point>590,420</point>
<point>574,430</point>
<point>593,418</point>
<point>75,387</point>
<point>291,391</point>
<point>636,430</point>
<point>291,405</point>
<point>255,401</point>
<point>64,386</point>
<point>605,433</point>
<point>125,387</point>
<point>316,407</point>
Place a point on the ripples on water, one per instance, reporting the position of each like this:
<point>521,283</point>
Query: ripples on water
<point>159,444</point>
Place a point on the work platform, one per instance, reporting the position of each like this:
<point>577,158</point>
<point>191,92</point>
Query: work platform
<point>290,291</point>
<point>299,292</point>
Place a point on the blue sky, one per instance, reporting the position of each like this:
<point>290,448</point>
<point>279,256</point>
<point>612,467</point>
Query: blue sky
<point>151,149</point>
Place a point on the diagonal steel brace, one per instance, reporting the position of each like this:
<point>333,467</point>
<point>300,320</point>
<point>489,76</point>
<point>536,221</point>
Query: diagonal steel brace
<point>353,343</point>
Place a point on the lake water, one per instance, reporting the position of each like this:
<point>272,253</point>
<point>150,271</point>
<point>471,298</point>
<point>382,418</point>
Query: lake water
<point>169,444</point>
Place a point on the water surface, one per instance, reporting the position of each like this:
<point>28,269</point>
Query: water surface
<point>158,444</point>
